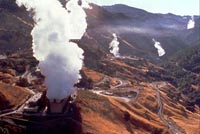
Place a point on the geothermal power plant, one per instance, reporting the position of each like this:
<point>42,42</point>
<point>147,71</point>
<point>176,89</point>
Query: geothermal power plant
<point>39,105</point>
<point>55,33</point>
<point>55,47</point>
<point>57,106</point>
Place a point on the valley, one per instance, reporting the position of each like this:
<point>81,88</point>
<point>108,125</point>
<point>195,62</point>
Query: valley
<point>136,92</point>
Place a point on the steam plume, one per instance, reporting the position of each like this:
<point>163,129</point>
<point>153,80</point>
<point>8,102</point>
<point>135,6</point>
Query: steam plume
<point>60,59</point>
<point>158,46</point>
<point>85,4</point>
<point>191,23</point>
<point>114,46</point>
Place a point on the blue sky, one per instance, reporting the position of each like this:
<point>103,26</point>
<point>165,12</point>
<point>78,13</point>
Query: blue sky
<point>179,7</point>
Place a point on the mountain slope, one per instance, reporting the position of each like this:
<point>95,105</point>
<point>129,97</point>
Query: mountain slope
<point>155,104</point>
<point>11,97</point>
<point>184,68</point>
<point>135,29</point>
<point>15,28</point>
<point>166,28</point>
<point>114,115</point>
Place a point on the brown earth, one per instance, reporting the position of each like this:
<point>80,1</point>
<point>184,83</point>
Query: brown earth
<point>100,114</point>
<point>11,96</point>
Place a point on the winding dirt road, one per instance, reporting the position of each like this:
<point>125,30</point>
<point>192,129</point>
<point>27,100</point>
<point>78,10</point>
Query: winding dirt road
<point>28,75</point>
<point>172,126</point>
<point>121,83</point>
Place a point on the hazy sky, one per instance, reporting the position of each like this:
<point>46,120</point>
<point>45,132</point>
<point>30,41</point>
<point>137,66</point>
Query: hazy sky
<point>179,7</point>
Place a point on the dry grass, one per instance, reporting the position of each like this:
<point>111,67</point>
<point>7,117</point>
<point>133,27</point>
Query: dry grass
<point>102,115</point>
<point>95,76</point>
<point>189,121</point>
<point>15,95</point>
<point>191,125</point>
<point>101,125</point>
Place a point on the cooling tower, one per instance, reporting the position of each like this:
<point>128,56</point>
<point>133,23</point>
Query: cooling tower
<point>57,106</point>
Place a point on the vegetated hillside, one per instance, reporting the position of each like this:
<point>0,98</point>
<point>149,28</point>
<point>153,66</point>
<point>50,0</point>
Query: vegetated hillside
<point>188,59</point>
<point>164,24</point>
<point>185,70</point>
<point>15,27</point>
<point>114,115</point>
<point>169,29</point>
<point>136,71</point>
<point>135,29</point>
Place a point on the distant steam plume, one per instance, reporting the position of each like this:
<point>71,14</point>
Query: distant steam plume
<point>60,59</point>
<point>158,46</point>
<point>114,46</point>
<point>191,23</point>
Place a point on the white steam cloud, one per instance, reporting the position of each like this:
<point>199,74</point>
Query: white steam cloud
<point>158,46</point>
<point>60,59</point>
<point>85,4</point>
<point>114,46</point>
<point>191,23</point>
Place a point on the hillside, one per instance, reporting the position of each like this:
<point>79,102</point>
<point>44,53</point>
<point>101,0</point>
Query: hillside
<point>135,29</point>
<point>129,94</point>
<point>184,68</point>
<point>15,27</point>
<point>138,116</point>
<point>169,29</point>
<point>188,59</point>
<point>162,24</point>
<point>11,96</point>
<point>114,113</point>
